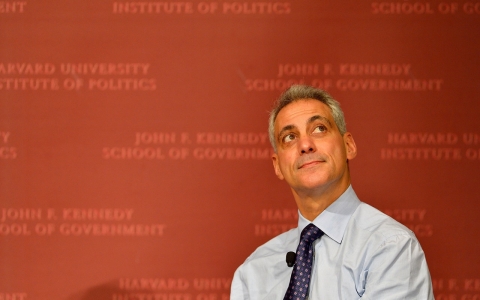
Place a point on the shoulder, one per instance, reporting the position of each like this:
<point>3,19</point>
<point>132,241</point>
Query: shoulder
<point>392,260</point>
<point>372,230</point>
<point>272,254</point>
<point>265,267</point>
<point>380,240</point>
<point>277,245</point>
<point>370,220</point>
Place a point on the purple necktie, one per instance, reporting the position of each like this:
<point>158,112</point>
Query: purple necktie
<point>300,279</point>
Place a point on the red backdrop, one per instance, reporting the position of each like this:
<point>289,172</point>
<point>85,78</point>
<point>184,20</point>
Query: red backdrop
<point>134,160</point>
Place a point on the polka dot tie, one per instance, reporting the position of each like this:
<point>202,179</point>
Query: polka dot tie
<point>300,279</point>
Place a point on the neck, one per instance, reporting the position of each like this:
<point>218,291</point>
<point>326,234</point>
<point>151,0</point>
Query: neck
<point>313,202</point>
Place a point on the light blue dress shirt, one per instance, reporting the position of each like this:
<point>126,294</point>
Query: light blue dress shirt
<point>364,254</point>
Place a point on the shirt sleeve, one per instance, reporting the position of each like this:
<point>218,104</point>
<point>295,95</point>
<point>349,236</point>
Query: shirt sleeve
<point>398,270</point>
<point>238,290</point>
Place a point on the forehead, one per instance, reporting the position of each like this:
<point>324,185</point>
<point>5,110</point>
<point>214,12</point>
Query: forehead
<point>299,112</point>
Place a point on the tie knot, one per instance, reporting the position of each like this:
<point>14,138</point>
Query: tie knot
<point>310,233</point>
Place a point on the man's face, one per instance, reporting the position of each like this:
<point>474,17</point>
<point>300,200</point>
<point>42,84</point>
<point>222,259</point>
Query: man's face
<point>311,153</point>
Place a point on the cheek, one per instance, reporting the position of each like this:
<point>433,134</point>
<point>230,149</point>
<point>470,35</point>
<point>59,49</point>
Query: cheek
<point>337,152</point>
<point>340,155</point>
<point>285,161</point>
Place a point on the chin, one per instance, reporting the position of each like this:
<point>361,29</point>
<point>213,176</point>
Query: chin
<point>313,184</point>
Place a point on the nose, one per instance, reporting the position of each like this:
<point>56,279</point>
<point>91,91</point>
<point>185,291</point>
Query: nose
<point>306,145</point>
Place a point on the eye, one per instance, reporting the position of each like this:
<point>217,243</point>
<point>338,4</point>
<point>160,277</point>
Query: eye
<point>288,138</point>
<point>319,129</point>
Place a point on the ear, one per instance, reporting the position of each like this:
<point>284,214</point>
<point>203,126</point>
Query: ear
<point>350,146</point>
<point>276,167</point>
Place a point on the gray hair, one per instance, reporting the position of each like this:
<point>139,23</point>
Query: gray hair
<point>302,92</point>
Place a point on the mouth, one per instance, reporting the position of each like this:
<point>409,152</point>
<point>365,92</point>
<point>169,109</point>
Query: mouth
<point>310,164</point>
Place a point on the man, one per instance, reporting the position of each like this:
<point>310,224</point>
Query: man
<point>345,249</point>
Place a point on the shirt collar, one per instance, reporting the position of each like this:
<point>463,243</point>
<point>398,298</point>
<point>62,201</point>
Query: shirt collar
<point>334,219</point>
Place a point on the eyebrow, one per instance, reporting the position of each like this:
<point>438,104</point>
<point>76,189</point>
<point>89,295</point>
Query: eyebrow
<point>318,117</point>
